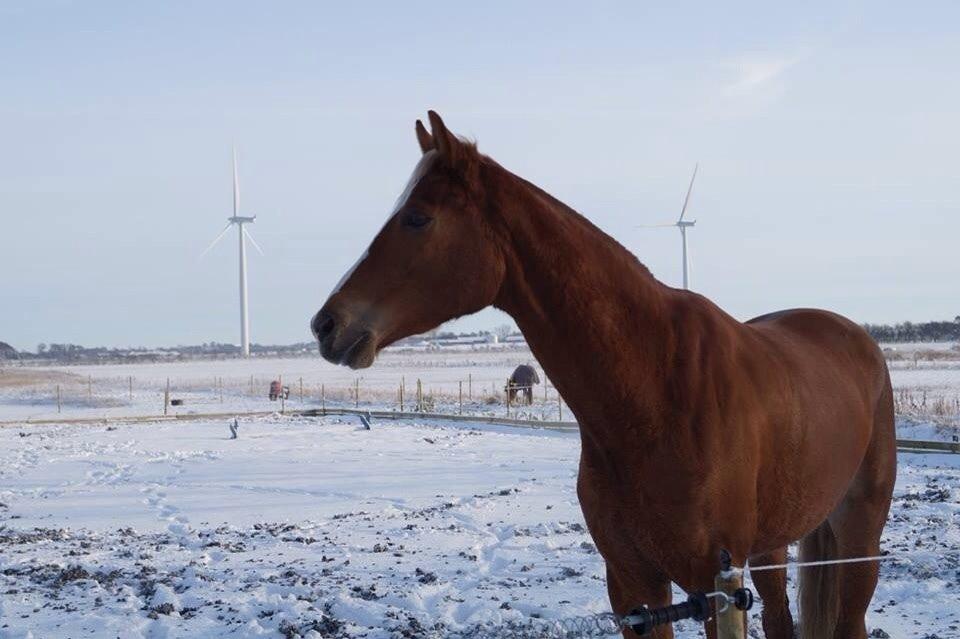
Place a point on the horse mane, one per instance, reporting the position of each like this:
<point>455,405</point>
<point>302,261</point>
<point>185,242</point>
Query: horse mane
<point>462,163</point>
<point>475,186</point>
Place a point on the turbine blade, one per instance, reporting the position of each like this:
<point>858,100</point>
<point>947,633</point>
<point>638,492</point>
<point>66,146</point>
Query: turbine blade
<point>686,200</point>
<point>236,185</point>
<point>252,241</point>
<point>654,226</point>
<point>217,239</point>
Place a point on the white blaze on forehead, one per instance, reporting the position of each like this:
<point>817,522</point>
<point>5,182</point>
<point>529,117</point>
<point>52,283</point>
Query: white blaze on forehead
<point>419,172</point>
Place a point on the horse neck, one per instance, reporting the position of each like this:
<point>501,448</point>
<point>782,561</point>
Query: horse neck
<point>593,315</point>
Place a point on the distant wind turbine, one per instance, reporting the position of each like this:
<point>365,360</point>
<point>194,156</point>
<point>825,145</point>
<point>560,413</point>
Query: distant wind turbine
<point>244,235</point>
<point>683,225</point>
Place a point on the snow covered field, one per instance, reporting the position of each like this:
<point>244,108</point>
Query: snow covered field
<point>315,527</point>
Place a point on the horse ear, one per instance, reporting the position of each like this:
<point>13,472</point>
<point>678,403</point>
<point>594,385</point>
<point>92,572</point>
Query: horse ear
<point>446,143</point>
<point>424,138</point>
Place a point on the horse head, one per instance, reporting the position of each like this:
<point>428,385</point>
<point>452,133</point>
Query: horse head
<point>435,259</point>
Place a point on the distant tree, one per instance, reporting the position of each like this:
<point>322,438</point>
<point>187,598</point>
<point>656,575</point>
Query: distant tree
<point>41,349</point>
<point>503,331</point>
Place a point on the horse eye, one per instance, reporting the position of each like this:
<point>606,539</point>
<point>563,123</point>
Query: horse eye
<point>416,220</point>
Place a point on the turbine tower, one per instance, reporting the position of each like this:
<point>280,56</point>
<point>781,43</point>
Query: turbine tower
<point>683,225</point>
<point>243,235</point>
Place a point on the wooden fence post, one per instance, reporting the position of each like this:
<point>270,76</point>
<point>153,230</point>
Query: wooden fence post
<point>166,398</point>
<point>356,392</point>
<point>731,622</point>
<point>470,386</point>
<point>323,398</point>
<point>59,405</point>
<point>419,396</point>
<point>130,386</point>
<point>559,408</point>
<point>301,390</point>
<point>461,396</point>
<point>401,394</point>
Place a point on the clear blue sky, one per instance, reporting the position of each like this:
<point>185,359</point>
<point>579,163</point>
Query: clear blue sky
<point>827,137</point>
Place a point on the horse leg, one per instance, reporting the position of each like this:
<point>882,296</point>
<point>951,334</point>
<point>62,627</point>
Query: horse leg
<point>858,524</point>
<point>772,588</point>
<point>631,591</point>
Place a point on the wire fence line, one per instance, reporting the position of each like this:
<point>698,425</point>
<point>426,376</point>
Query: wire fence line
<point>482,394</point>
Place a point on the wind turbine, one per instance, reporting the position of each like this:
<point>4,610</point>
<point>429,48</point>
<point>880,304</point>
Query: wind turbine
<point>683,225</point>
<point>242,233</point>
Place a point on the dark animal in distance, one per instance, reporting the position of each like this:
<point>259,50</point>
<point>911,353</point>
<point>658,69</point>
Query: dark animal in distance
<point>698,432</point>
<point>521,382</point>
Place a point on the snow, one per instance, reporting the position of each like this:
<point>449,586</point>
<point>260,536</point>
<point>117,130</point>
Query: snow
<point>315,527</point>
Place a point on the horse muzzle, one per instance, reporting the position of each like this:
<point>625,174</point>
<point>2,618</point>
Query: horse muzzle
<point>342,340</point>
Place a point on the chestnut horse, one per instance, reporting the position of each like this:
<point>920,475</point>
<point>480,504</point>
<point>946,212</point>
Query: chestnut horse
<point>699,432</point>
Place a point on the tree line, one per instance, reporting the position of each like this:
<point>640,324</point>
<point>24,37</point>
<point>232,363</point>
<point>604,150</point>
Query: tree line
<point>948,331</point>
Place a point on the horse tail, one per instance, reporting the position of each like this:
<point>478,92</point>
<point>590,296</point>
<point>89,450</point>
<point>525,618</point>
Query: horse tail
<point>819,585</point>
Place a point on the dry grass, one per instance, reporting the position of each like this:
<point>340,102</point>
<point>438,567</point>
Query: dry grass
<point>19,377</point>
<point>922,355</point>
<point>919,403</point>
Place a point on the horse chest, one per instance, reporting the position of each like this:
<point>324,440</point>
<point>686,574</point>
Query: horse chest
<point>631,526</point>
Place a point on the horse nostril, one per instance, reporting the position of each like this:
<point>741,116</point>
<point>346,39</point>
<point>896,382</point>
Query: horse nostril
<point>322,325</point>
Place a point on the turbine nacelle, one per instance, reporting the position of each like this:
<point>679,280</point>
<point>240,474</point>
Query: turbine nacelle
<point>239,219</point>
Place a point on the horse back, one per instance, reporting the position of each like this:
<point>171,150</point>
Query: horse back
<point>823,345</point>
